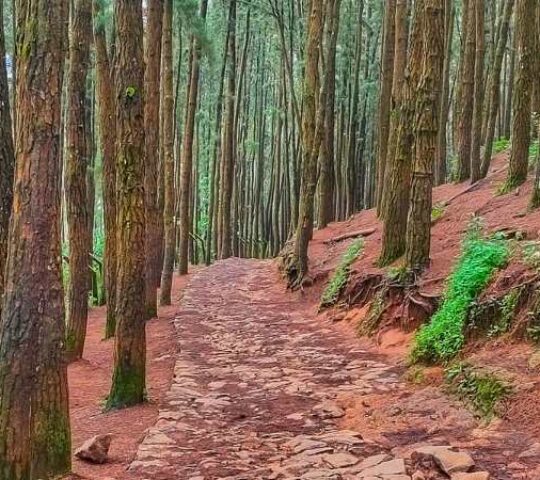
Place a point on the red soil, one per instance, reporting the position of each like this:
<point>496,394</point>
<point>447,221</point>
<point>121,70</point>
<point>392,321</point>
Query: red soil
<point>89,383</point>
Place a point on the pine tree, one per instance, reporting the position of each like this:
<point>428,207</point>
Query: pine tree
<point>35,440</point>
<point>128,383</point>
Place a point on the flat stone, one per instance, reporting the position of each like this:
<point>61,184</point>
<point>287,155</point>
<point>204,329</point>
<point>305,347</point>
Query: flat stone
<point>328,410</point>
<point>301,444</point>
<point>449,461</point>
<point>471,476</point>
<point>392,467</point>
<point>373,461</point>
<point>532,452</point>
<point>340,460</point>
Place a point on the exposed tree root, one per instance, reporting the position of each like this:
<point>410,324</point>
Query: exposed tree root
<point>360,233</point>
<point>292,268</point>
<point>511,307</point>
<point>392,302</point>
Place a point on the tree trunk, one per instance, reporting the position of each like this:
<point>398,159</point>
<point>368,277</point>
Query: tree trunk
<point>426,126</point>
<point>76,165</point>
<point>128,383</point>
<point>35,440</point>
<point>228,144</point>
<point>186,161</point>
<point>495,85</point>
<point>327,159</point>
<point>397,202</point>
<point>7,159</point>
<point>297,267</point>
<point>151,124</point>
<point>478,92</point>
<point>168,155</point>
<point>385,98</point>
<point>465,120</point>
<point>107,129</point>
<point>521,103</point>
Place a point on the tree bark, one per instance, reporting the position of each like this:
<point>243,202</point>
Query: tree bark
<point>35,440</point>
<point>521,103</point>
<point>128,383</point>
<point>107,132</point>
<point>495,85</point>
<point>168,155</point>
<point>76,166</point>
<point>151,124</point>
<point>426,126</point>
<point>465,119</point>
<point>7,158</point>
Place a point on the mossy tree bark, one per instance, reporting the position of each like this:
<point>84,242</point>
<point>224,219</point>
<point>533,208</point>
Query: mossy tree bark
<point>426,125</point>
<point>75,172</point>
<point>152,122</point>
<point>168,154</point>
<point>396,202</point>
<point>128,384</point>
<point>297,265</point>
<point>327,158</point>
<point>7,158</point>
<point>35,440</point>
<point>107,128</point>
<point>522,96</point>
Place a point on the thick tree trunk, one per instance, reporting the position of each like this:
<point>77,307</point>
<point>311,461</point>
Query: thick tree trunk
<point>128,384</point>
<point>385,98</point>
<point>7,159</point>
<point>107,129</point>
<point>168,155</point>
<point>75,171</point>
<point>297,265</point>
<point>396,203</point>
<point>521,103</point>
<point>34,417</point>
<point>425,133</point>
<point>151,122</point>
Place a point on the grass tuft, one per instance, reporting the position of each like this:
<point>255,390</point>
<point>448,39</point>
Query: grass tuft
<point>443,337</point>
<point>483,391</point>
<point>341,276</point>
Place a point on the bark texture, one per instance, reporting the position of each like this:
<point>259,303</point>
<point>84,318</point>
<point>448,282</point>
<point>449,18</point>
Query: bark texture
<point>128,384</point>
<point>35,440</point>
<point>76,165</point>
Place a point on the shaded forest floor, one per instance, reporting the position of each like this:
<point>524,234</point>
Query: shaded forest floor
<point>89,383</point>
<point>265,387</point>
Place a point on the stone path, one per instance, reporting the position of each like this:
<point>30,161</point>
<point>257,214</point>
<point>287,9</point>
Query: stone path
<point>254,390</point>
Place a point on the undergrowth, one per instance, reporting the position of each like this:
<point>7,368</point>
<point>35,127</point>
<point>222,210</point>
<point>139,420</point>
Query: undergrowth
<point>438,211</point>
<point>443,337</point>
<point>339,280</point>
<point>500,145</point>
<point>483,391</point>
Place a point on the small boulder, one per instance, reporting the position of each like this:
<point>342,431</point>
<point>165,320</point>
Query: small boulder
<point>96,449</point>
<point>471,476</point>
<point>448,460</point>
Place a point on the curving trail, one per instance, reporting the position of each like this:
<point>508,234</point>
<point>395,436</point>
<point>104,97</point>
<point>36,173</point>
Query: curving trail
<point>254,391</point>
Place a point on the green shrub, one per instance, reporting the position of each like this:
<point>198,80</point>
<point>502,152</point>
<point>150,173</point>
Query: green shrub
<point>443,338</point>
<point>438,211</point>
<point>481,390</point>
<point>500,145</point>
<point>341,275</point>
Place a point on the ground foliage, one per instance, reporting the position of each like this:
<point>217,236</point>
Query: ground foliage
<point>443,337</point>
<point>341,275</point>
